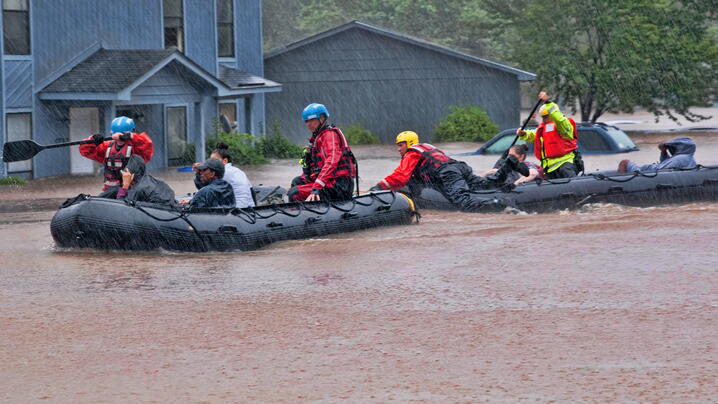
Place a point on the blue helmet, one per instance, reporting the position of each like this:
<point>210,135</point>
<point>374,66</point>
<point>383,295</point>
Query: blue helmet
<point>122,124</point>
<point>314,111</point>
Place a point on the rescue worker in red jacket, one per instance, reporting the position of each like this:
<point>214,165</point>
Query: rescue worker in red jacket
<point>328,163</point>
<point>555,142</point>
<point>424,165</point>
<point>114,154</point>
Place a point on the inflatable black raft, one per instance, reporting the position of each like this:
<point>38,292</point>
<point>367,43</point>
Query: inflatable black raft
<point>108,224</point>
<point>633,189</point>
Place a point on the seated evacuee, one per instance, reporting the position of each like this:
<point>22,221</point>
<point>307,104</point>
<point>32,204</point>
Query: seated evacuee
<point>514,177</point>
<point>555,144</point>
<point>214,192</point>
<point>233,175</point>
<point>114,154</point>
<point>328,165</point>
<point>138,186</point>
<point>425,165</point>
<point>676,153</point>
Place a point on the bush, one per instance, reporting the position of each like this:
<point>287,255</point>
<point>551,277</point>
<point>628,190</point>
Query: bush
<point>277,146</point>
<point>248,150</point>
<point>358,134</point>
<point>244,148</point>
<point>465,124</point>
<point>12,181</point>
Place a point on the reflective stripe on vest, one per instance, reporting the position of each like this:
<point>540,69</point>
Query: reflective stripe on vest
<point>548,143</point>
<point>115,160</point>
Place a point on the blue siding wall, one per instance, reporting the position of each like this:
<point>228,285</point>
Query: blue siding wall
<point>166,86</point>
<point>248,36</point>
<point>50,125</point>
<point>125,24</point>
<point>386,84</point>
<point>200,34</point>
<point>18,84</point>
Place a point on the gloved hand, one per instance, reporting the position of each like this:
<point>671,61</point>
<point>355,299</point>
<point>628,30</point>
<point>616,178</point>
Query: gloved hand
<point>376,188</point>
<point>98,138</point>
<point>126,136</point>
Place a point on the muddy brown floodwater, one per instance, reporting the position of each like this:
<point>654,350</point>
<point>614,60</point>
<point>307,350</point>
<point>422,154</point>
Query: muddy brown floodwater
<point>606,304</point>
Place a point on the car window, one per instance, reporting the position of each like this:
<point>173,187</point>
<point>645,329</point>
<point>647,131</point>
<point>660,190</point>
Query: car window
<point>502,144</point>
<point>591,140</point>
<point>621,138</point>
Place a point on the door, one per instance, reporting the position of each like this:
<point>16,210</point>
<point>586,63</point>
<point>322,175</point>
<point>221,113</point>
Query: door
<point>178,151</point>
<point>84,122</point>
<point>18,126</point>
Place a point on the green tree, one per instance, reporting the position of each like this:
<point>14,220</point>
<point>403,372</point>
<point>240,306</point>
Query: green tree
<point>453,23</point>
<point>612,56</point>
<point>280,22</point>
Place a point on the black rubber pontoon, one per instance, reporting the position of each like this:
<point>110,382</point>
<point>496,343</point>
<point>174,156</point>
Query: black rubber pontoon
<point>108,224</point>
<point>632,189</point>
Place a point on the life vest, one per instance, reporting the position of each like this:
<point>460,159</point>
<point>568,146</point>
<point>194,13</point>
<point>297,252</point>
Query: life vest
<point>553,144</point>
<point>431,159</point>
<point>315,161</point>
<point>115,161</point>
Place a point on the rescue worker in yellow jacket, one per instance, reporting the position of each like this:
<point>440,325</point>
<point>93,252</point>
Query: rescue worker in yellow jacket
<point>555,142</point>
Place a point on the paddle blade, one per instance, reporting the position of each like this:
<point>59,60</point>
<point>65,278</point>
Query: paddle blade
<point>20,150</point>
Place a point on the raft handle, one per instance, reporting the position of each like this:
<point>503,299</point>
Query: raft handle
<point>228,229</point>
<point>347,215</point>
<point>383,207</point>
<point>312,220</point>
<point>568,195</point>
<point>275,224</point>
<point>615,190</point>
<point>660,187</point>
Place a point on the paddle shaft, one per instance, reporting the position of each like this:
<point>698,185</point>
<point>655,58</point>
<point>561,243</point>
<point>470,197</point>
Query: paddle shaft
<point>523,127</point>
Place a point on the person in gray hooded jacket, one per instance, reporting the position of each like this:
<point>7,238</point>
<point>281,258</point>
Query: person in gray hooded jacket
<point>676,153</point>
<point>138,186</point>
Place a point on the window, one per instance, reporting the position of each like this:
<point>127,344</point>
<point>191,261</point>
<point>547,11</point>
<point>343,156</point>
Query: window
<point>16,27</point>
<point>19,127</point>
<point>225,28</point>
<point>230,111</point>
<point>502,144</point>
<point>174,24</point>
<point>179,152</point>
<point>591,140</point>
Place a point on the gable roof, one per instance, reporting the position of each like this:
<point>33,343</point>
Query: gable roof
<point>520,74</point>
<point>112,74</point>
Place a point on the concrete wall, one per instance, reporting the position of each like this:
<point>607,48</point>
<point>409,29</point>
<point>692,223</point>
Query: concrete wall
<point>386,84</point>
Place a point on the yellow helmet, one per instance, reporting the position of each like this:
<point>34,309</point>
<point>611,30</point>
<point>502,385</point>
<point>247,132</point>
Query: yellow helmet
<point>543,111</point>
<point>411,138</point>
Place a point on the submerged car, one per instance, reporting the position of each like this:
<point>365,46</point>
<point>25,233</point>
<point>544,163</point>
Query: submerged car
<point>593,138</point>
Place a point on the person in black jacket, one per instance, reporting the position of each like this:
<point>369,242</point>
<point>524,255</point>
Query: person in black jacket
<point>138,186</point>
<point>214,192</point>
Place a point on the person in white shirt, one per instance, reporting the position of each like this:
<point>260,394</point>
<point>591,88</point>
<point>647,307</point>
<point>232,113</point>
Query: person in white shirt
<point>236,177</point>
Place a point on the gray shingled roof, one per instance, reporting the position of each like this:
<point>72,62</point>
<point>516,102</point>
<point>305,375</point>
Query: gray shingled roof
<point>520,74</point>
<point>234,78</point>
<point>108,71</point>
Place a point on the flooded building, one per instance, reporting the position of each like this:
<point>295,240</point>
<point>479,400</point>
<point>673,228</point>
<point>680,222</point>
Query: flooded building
<point>386,81</point>
<point>70,66</point>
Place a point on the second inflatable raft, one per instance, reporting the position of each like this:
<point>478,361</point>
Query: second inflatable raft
<point>633,189</point>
